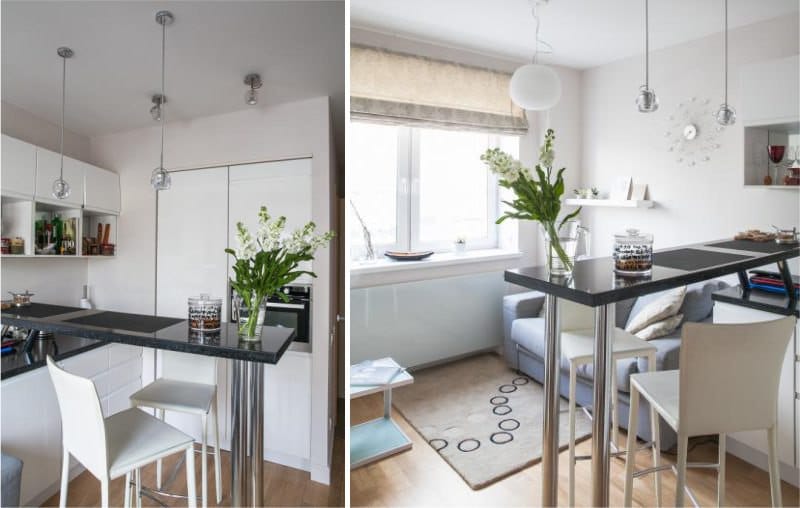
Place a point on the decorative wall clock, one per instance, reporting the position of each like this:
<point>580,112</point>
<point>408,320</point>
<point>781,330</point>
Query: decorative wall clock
<point>693,132</point>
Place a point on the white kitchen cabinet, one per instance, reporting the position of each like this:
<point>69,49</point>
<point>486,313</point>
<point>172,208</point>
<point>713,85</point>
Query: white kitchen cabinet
<point>287,410</point>
<point>756,441</point>
<point>31,420</point>
<point>18,169</point>
<point>101,190</point>
<point>769,91</point>
<point>48,169</point>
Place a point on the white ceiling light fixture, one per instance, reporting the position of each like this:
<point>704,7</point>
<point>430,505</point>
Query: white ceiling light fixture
<point>61,188</point>
<point>160,179</point>
<point>534,86</point>
<point>254,82</point>
<point>157,101</point>
<point>726,115</point>
<point>646,101</point>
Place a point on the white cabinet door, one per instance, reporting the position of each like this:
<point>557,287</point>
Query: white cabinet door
<point>48,168</point>
<point>287,410</point>
<point>284,187</point>
<point>18,169</point>
<point>32,431</point>
<point>192,237</point>
<point>728,313</point>
<point>101,189</point>
<point>769,91</point>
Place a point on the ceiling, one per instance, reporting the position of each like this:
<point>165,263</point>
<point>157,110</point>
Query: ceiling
<point>297,47</point>
<point>583,33</point>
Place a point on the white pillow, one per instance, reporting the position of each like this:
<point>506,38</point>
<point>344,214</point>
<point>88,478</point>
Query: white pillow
<point>657,310</point>
<point>660,328</point>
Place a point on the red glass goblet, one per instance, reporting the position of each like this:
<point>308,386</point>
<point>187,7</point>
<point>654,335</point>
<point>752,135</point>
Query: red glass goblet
<point>776,153</point>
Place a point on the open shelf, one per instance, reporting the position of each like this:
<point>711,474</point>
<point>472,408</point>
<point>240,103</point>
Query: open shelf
<point>617,203</point>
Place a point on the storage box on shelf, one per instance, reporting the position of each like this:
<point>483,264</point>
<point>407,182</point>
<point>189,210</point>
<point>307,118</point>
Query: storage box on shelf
<point>28,173</point>
<point>48,219</point>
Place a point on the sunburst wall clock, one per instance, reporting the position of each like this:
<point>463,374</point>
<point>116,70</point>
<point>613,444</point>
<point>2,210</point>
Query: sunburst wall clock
<point>693,133</point>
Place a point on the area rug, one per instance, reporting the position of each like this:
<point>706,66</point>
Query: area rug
<point>483,418</point>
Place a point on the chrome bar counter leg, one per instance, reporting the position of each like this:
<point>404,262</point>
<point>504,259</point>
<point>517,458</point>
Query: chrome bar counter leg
<point>601,422</point>
<point>552,374</point>
<point>247,442</point>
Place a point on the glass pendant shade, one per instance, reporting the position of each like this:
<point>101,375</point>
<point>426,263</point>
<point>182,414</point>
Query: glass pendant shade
<point>61,189</point>
<point>535,87</point>
<point>646,101</point>
<point>251,97</point>
<point>726,115</point>
<point>160,179</point>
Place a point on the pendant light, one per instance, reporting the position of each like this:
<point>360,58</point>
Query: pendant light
<point>534,86</point>
<point>647,102</point>
<point>726,115</point>
<point>157,101</point>
<point>254,82</point>
<point>61,188</point>
<point>160,179</point>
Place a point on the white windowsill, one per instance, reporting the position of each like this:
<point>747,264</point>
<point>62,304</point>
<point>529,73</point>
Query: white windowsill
<point>446,264</point>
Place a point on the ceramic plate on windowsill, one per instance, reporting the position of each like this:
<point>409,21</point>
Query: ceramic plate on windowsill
<point>408,256</point>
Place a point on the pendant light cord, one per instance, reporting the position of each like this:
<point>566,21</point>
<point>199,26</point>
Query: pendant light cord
<point>163,109</point>
<point>63,99</point>
<point>646,44</point>
<point>725,50</point>
<point>536,32</point>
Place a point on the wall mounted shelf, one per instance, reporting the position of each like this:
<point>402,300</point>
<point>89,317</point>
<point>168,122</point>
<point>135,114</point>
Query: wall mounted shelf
<point>611,203</point>
<point>773,187</point>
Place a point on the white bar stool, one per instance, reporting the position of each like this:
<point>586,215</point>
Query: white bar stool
<point>727,382</point>
<point>577,347</point>
<point>113,446</point>
<point>188,385</point>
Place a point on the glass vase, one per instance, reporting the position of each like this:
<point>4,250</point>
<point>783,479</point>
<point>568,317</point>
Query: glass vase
<point>560,247</point>
<point>251,319</point>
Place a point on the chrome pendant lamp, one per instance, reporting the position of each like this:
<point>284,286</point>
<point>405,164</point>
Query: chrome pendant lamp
<point>646,101</point>
<point>160,178</point>
<point>535,86</point>
<point>726,115</point>
<point>61,188</point>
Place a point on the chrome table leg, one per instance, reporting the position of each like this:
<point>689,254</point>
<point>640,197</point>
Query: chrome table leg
<point>601,423</point>
<point>247,443</point>
<point>552,374</point>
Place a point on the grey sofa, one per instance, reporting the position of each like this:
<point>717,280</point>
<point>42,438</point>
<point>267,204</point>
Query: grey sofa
<point>524,328</point>
<point>11,478</point>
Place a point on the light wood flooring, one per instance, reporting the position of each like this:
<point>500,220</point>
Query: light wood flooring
<point>283,486</point>
<point>419,477</point>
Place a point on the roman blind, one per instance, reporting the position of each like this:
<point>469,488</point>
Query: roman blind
<point>398,88</point>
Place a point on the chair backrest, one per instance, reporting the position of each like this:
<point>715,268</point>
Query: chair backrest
<point>729,375</point>
<point>83,429</point>
<point>188,367</point>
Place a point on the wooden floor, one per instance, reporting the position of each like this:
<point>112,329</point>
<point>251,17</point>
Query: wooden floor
<point>283,486</point>
<point>419,477</point>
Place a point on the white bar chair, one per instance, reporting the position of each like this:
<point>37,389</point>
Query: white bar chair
<point>727,382</point>
<point>188,384</point>
<point>577,347</point>
<point>113,446</point>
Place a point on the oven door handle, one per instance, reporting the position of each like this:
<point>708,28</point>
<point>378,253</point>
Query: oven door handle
<point>277,305</point>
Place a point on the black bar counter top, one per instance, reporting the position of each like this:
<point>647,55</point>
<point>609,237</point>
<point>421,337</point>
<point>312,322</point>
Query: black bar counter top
<point>171,334</point>
<point>758,300</point>
<point>594,283</point>
<point>59,347</point>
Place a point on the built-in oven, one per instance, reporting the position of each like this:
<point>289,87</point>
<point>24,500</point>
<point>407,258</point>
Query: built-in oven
<point>293,313</point>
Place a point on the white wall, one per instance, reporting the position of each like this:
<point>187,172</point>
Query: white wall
<point>253,135</point>
<point>701,203</point>
<point>56,281</point>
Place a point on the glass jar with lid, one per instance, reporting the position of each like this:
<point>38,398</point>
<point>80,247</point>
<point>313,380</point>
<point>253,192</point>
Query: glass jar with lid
<point>633,253</point>
<point>205,313</point>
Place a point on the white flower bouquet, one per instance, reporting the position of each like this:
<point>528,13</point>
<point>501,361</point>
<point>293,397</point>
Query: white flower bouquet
<point>268,262</point>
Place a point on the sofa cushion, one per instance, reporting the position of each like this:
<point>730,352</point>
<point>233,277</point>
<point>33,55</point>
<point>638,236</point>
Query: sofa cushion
<point>660,328</point>
<point>698,305</point>
<point>656,309</point>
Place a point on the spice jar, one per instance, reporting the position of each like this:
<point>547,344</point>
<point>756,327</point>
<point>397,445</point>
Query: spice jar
<point>5,245</point>
<point>18,245</point>
<point>205,313</point>
<point>633,253</point>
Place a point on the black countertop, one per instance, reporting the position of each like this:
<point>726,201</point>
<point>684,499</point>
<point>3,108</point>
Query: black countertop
<point>59,347</point>
<point>174,337</point>
<point>594,282</point>
<point>759,300</point>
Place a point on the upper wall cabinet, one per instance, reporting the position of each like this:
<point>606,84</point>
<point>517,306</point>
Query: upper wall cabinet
<point>101,190</point>
<point>48,166</point>
<point>18,169</point>
<point>769,91</point>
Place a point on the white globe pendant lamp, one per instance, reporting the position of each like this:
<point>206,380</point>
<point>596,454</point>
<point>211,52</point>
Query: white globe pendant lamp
<point>535,86</point>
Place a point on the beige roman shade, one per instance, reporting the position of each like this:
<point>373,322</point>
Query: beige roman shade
<point>404,89</point>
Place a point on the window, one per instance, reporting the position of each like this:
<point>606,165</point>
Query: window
<point>420,189</point>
